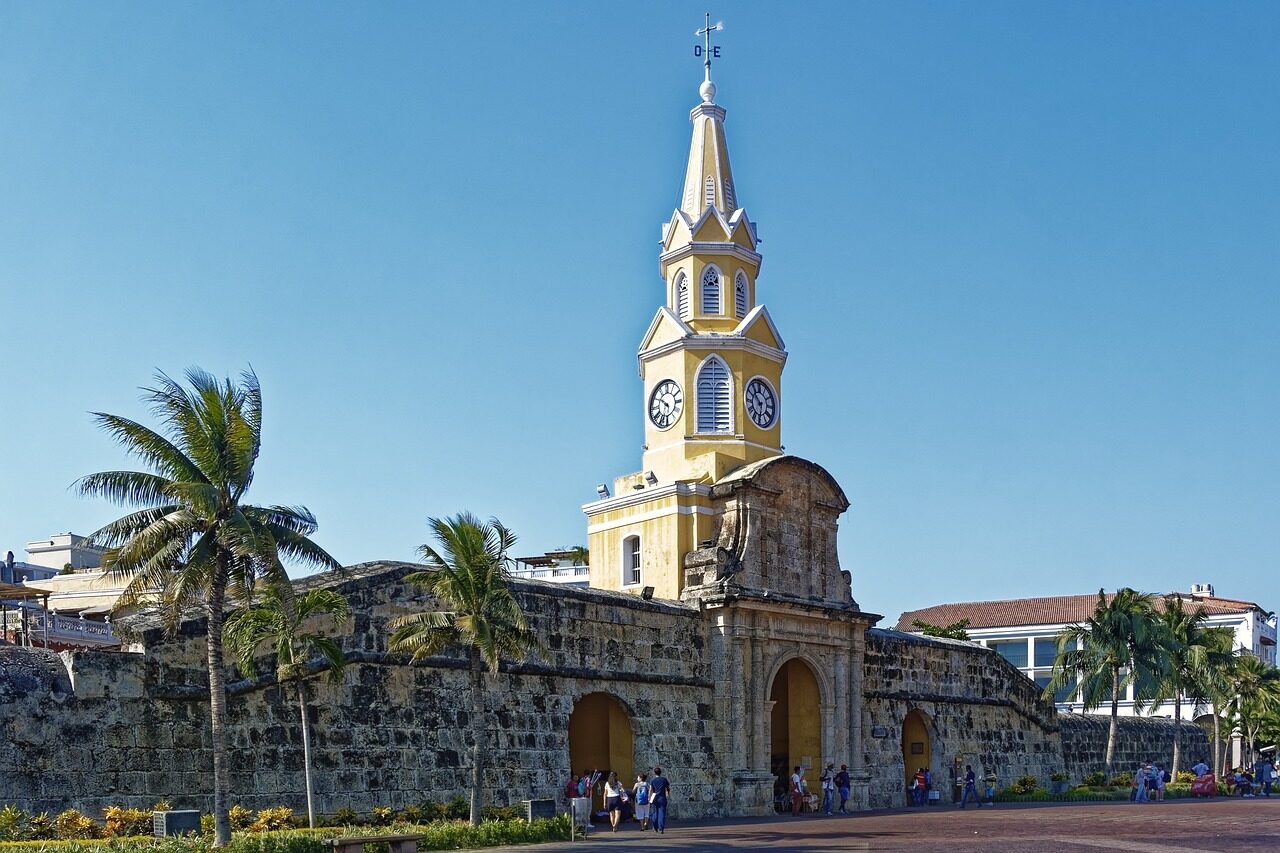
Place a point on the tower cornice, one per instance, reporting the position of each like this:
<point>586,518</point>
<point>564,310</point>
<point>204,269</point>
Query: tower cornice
<point>732,249</point>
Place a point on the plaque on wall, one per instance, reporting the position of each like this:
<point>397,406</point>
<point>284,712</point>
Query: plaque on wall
<point>879,731</point>
<point>917,748</point>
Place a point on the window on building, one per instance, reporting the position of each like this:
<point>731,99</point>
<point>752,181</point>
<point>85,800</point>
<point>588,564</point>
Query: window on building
<point>1014,651</point>
<point>740,295</point>
<point>711,291</point>
<point>1046,651</point>
<point>714,397</point>
<point>1060,695</point>
<point>631,561</point>
<point>709,191</point>
<point>682,297</point>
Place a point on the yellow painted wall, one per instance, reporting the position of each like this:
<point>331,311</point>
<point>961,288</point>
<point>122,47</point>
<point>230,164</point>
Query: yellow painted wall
<point>669,527</point>
<point>915,730</point>
<point>600,737</point>
<point>796,723</point>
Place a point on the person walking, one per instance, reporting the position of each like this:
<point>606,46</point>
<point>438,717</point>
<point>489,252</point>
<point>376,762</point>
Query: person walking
<point>613,795</point>
<point>1140,784</point>
<point>970,787</point>
<point>1160,782</point>
<point>1262,775</point>
<point>641,794</point>
<point>828,787</point>
<point>842,785</point>
<point>797,792</point>
<point>659,793</point>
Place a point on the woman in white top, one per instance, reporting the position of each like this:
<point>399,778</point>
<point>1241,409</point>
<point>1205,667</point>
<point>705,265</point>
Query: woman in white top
<point>613,794</point>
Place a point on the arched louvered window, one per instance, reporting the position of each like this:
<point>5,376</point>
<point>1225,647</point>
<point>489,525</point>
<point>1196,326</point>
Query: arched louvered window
<point>714,397</point>
<point>709,191</point>
<point>740,295</point>
<point>682,297</point>
<point>711,291</point>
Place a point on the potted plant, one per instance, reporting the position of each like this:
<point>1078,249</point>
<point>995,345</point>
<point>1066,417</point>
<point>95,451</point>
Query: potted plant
<point>1058,782</point>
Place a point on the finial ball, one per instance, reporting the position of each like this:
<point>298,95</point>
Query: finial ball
<point>708,91</point>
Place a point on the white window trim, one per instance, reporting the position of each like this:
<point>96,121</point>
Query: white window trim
<point>743,309</point>
<point>702,307</point>
<point>697,392</point>
<point>626,558</point>
<point>687,311</point>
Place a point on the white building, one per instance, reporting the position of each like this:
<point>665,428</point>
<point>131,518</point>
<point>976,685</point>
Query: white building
<point>563,567</point>
<point>42,602</point>
<point>1024,631</point>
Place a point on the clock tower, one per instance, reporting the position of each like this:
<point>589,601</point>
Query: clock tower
<point>711,371</point>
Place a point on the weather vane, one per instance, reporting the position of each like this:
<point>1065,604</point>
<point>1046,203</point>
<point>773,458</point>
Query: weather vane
<point>708,50</point>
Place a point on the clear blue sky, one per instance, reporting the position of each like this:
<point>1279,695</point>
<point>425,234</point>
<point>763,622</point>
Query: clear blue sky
<point>1025,258</point>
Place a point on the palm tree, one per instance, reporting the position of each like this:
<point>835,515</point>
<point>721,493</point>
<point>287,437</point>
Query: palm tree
<point>1190,647</point>
<point>1214,683</point>
<point>277,621</point>
<point>192,540</point>
<point>1257,689</point>
<point>467,575</point>
<point>1118,645</point>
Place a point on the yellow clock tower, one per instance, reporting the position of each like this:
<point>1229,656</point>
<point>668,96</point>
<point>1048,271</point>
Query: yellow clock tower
<point>711,366</point>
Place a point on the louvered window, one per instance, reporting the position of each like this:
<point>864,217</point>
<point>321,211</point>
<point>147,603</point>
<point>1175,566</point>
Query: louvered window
<point>711,291</point>
<point>709,191</point>
<point>631,561</point>
<point>740,295</point>
<point>714,414</point>
<point>682,297</point>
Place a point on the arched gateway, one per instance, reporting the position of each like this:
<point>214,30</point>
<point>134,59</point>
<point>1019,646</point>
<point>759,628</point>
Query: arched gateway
<point>796,723</point>
<point>600,736</point>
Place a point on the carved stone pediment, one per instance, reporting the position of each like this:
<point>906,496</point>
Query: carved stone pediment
<point>776,536</point>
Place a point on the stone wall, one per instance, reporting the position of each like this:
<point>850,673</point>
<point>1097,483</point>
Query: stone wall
<point>1138,740</point>
<point>100,728</point>
<point>977,708</point>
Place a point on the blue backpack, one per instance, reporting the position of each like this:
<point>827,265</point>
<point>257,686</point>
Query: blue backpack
<point>642,793</point>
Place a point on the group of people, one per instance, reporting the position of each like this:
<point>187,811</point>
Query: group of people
<point>646,800</point>
<point>1148,783</point>
<point>1256,784</point>
<point>834,782</point>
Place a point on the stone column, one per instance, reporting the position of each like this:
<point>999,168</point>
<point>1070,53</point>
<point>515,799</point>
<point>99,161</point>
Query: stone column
<point>859,774</point>
<point>759,699</point>
<point>842,705</point>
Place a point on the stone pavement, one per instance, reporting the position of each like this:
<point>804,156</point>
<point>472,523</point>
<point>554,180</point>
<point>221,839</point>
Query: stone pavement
<point>1177,826</point>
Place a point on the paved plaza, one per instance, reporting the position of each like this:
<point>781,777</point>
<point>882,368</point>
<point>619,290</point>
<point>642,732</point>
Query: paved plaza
<point>1171,827</point>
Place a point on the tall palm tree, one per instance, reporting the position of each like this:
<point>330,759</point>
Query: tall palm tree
<point>277,621</point>
<point>1190,647</point>
<point>192,541</point>
<point>467,575</point>
<point>1257,689</point>
<point>1118,645</point>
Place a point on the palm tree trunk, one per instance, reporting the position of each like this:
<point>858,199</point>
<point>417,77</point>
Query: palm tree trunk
<point>218,709</point>
<point>306,751</point>
<point>477,732</point>
<point>1114,726</point>
<point>1177,734</point>
<point>1217,741</point>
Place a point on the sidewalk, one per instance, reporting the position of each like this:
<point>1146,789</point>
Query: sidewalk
<point>1175,826</point>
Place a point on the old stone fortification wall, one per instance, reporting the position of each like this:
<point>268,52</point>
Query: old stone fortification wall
<point>977,708</point>
<point>100,728</point>
<point>1138,740</point>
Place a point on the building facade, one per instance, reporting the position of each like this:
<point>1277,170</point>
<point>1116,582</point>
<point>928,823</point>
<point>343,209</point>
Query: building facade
<point>1024,631</point>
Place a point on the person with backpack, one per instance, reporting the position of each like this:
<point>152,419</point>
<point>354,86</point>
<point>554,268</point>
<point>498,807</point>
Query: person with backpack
<point>641,793</point>
<point>842,785</point>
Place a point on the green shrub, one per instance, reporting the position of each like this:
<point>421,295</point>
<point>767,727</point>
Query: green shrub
<point>207,825</point>
<point>435,811</point>
<point>1096,779</point>
<point>241,818</point>
<point>1024,784</point>
<point>122,821</point>
<point>501,813</point>
<point>70,825</point>
<point>1122,780</point>
<point>411,814</point>
<point>345,817</point>
<point>382,815</point>
<point>40,827</point>
<point>1186,776</point>
<point>1059,776</point>
<point>458,809</point>
<point>13,823</point>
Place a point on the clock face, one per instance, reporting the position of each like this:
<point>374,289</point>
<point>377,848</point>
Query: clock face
<point>762,403</point>
<point>665,404</point>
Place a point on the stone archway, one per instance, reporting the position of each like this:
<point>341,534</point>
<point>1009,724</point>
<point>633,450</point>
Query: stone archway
<point>600,737</point>
<point>795,724</point>
<point>917,746</point>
